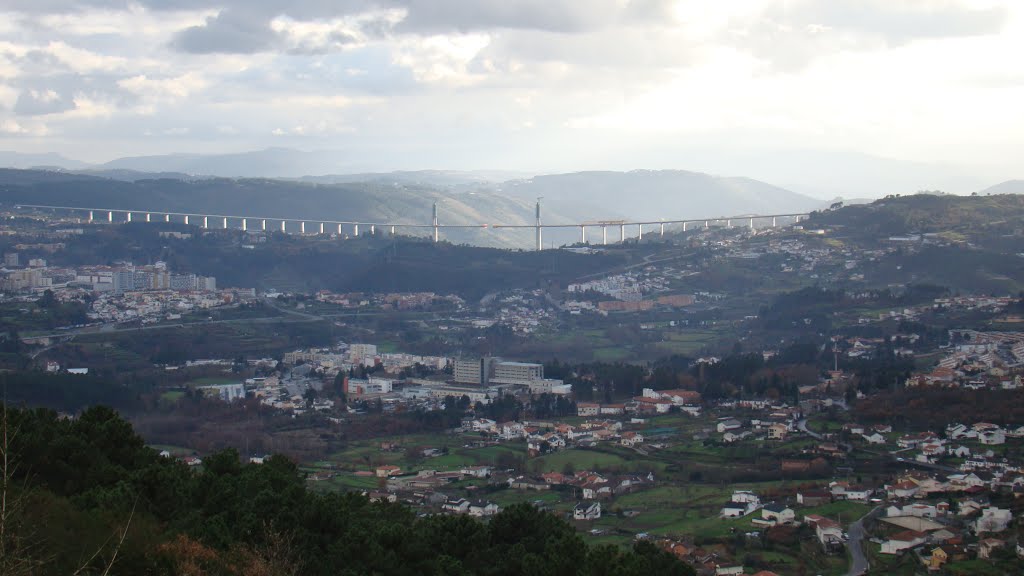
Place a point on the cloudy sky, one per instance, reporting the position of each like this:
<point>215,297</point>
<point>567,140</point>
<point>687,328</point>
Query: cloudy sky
<point>518,84</point>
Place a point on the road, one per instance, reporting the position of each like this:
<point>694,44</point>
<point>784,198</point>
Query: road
<point>802,425</point>
<point>858,559</point>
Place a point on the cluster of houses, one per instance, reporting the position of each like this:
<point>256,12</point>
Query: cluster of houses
<point>649,402</point>
<point>545,437</point>
<point>978,360</point>
<point>962,523</point>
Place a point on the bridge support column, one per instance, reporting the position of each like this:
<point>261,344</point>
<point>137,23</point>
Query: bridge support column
<point>245,225</point>
<point>186,219</point>
<point>339,229</point>
<point>321,227</point>
<point>283,227</point>
<point>355,230</point>
<point>773,222</point>
<point>622,232</point>
<point>435,222</point>
<point>728,223</point>
<point>392,229</point>
<point>604,235</point>
<point>206,221</point>
<point>706,224</point>
<point>147,217</point>
<point>90,216</point>
<point>302,227</point>
<point>583,234</point>
<point>639,232</point>
<point>373,229</point>
<point>167,217</point>
<point>263,224</point>
<point>128,217</point>
<point>225,223</point>
<point>751,223</point>
<point>684,226</point>
<point>110,216</point>
<point>662,228</point>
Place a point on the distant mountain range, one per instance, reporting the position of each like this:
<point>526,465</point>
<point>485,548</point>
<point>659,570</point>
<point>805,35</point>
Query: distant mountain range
<point>296,184</point>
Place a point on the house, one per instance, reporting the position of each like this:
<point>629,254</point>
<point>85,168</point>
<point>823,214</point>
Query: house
<point>813,497</point>
<point>993,519</point>
<point>729,570</point>
<point>460,506</point>
<point>481,508</point>
<point>904,489</point>
<point>631,438</point>
<point>873,438</point>
<point>387,470</point>
<point>777,431</point>
<point>778,513</point>
<point>587,409</point>
<point>726,425</point>
<point>989,545</point>
<point>380,496</point>
<point>741,504</point>
<point>913,440</point>
<point>476,471</point>
<point>611,409</point>
<point>901,541</point>
<point>587,511</point>
<point>938,558</point>
<point>165,454</point>
<point>992,437</point>
<point>828,532</point>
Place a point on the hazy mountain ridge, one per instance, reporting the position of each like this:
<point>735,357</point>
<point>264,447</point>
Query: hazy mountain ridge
<point>1008,187</point>
<point>657,194</point>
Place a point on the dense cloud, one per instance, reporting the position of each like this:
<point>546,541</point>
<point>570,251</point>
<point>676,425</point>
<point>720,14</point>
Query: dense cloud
<point>514,83</point>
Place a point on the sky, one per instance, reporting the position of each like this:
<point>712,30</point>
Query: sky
<point>537,85</point>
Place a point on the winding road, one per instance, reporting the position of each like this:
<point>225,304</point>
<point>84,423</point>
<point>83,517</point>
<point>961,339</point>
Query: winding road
<point>858,559</point>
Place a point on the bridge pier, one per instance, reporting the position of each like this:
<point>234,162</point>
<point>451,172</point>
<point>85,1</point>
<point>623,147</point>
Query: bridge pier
<point>110,217</point>
<point>206,221</point>
<point>728,223</point>
<point>263,224</point>
<point>245,225</point>
<point>604,235</point>
<point>90,216</point>
<point>773,222</point>
<point>302,227</point>
<point>355,230</point>
<point>639,232</point>
<point>706,224</point>
<point>283,228</point>
<point>147,217</point>
<point>339,230</point>
<point>225,223</point>
<point>622,233</point>
<point>373,229</point>
<point>583,234</point>
<point>186,219</point>
<point>127,216</point>
<point>662,228</point>
<point>751,223</point>
<point>392,229</point>
<point>167,217</point>
<point>684,226</point>
<point>434,221</point>
<point>321,228</point>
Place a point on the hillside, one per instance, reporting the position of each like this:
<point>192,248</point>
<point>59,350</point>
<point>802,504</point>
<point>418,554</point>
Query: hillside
<point>85,495</point>
<point>356,201</point>
<point>1008,187</point>
<point>464,198</point>
<point>656,194</point>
